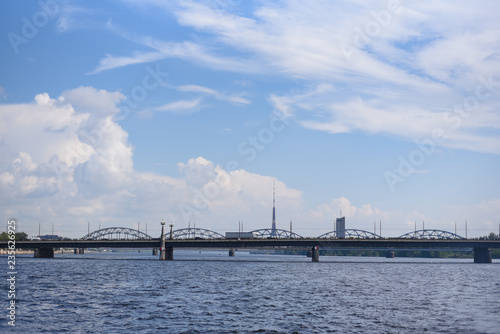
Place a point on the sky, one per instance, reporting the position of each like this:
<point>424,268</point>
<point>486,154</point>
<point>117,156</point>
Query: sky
<point>127,113</point>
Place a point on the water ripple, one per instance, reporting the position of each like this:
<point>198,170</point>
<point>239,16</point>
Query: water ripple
<point>279,295</point>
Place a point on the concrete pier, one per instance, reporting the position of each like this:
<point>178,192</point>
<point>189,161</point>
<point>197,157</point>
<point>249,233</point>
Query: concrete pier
<point>482,255</point>
<point>231,252</point>
<point>315,254</point>
<point>169,253</point>
<point>44,253</point>
<point>162,247</point>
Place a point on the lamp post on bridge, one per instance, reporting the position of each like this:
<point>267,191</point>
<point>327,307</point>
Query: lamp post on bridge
<point>162,247</point>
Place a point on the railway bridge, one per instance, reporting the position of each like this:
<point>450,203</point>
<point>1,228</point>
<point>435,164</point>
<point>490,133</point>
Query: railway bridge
<point>45,248</point>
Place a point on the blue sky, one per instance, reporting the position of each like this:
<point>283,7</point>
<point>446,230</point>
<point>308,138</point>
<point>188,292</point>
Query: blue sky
<point>119,112</point>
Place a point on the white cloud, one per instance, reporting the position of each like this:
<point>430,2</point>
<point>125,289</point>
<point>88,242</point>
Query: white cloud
<point>193,105</point>
<point>182,106</point>
<point>67,17</point>
<point>189,51</point>
<point>50,123</point>
<point>305,40</point>
<point>214,93</point>
<point>471,130</point>
<point>41,182</point>
<point>78,168</point>
<point>72,17</point>
<point>407,67</point>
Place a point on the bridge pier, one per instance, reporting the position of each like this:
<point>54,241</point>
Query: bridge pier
<point>231,252</point>
<point>155,251</point>
<point>44,253</point>
<point>162,247</point>
<point>482,255</point>
<point>169,253</point>
<point>315,254</point>
<point>389,254</point>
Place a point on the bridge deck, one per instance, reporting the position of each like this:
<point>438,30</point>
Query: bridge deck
<point>261,243</point>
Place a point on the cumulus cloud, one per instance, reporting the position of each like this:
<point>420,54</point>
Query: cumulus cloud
<point>66,161</point>
<point>50,123</point>
<point>234,195</point>
<point>69,163</point>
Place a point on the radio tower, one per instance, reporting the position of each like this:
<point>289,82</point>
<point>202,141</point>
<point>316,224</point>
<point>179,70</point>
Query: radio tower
<point>273,226</point>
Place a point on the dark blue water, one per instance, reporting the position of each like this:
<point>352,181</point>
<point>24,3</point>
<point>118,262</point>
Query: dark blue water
<point>212,293</point>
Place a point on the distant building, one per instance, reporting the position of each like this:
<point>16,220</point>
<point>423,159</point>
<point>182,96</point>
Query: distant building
<point>340,227</point>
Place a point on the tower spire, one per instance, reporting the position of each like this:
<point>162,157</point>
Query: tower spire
<point>273,226</point>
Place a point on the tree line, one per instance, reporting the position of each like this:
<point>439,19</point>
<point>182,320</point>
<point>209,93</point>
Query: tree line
<point>20,236</point>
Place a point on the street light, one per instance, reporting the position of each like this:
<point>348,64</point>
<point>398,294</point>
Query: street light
<point>162,250</point>
<point>171,231</point>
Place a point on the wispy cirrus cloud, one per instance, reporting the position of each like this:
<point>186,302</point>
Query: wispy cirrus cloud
<point>181,106</point>
<point>188,50</point>
<point>71,16</point>
<point>408,66</point>
<point>212,92</point>
<point>178,107</point>
<point>195,104</point>
<point>334,113</point>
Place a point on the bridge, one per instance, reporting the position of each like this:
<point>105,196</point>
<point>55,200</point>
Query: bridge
<point>124,233</point>
<point>199,238</point>
<point>481,248</point>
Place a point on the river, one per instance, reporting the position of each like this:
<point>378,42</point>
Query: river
<point>213,293</point>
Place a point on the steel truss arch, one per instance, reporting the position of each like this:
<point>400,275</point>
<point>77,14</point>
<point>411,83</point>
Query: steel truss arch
<point>351,234</point>
<point>266,233</point>
<point>194,233</point>
<point>118,233</point>
<point>431,234</point>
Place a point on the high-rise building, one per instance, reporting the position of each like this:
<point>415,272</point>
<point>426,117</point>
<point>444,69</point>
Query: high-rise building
<point>340,227</point>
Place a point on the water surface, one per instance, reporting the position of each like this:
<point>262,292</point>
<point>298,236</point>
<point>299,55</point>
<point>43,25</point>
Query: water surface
<point>213,293</point>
